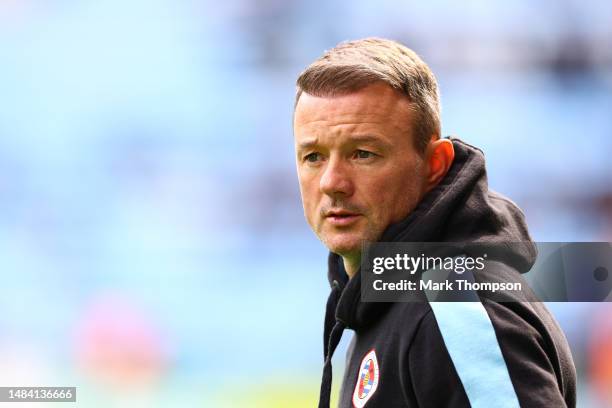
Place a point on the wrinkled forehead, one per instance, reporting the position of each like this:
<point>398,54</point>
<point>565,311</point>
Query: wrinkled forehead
<point>376,105</point>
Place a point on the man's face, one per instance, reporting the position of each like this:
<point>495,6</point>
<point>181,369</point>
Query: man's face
<point>357,165</point>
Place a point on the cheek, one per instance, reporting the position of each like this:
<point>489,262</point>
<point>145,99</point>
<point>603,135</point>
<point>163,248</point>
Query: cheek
<point>310,199</point>
<point>393,199</point>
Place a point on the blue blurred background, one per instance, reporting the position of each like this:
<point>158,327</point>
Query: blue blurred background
<point>153,247</point>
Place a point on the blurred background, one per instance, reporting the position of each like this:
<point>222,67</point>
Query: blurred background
<point>152,243</point>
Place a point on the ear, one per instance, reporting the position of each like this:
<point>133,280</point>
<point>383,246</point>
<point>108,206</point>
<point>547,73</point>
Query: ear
<point>439,158</point>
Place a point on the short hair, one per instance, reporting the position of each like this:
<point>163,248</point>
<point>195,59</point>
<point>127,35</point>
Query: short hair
<point>353,65</point>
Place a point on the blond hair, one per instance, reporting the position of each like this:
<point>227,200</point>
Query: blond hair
<point>353,65</point>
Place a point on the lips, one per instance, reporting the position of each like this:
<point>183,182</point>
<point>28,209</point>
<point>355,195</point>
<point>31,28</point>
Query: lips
<point>341,217</point>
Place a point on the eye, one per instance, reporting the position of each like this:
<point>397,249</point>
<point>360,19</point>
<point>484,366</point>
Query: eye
<point>312,157</point>
<point>363,154</point>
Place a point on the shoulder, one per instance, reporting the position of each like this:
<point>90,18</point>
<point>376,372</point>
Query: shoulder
<point>510,351</point>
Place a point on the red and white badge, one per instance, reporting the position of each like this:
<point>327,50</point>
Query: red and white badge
<point>367,380</point>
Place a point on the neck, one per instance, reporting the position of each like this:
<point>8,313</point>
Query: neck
<point>351,264</point>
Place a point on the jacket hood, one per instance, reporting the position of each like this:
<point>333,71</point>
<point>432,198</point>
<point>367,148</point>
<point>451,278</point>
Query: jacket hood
<point>461,208</point>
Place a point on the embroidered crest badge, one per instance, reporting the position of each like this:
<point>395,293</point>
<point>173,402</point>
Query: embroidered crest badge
<point>367,380</point>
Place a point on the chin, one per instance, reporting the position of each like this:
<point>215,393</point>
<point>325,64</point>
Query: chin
<point>343,246</point>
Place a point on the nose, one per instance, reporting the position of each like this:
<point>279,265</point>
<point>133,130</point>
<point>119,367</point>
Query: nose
<point>336,179</point>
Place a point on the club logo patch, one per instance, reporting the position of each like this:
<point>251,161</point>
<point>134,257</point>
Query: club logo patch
<point>367,380</point>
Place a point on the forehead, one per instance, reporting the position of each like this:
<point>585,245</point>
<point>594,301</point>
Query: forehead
<point>377,105</point>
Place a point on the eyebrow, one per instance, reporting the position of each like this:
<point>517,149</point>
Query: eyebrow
<point>352,139</point>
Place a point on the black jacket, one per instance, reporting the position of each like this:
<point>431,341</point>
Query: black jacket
<point>421,354</point>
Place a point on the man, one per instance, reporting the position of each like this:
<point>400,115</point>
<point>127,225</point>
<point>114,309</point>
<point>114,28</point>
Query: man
<point>373,167</point>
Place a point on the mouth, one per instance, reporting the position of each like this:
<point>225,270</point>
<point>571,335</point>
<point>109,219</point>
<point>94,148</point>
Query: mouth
<point>341,217</point>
